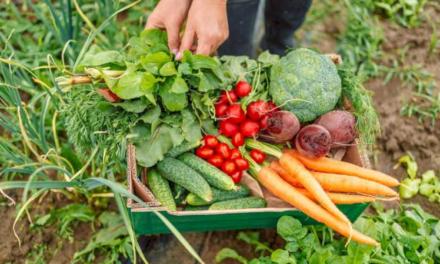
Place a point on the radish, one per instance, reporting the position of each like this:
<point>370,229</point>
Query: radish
<point>340,124</point>
<point>242,88</point>
<point>235,114</point>
<point>281,126</point>
<point>313,141</point>
<point>249,128</point>
<point>228,128</point>
<point>227,97</point>
<point>256,110</point>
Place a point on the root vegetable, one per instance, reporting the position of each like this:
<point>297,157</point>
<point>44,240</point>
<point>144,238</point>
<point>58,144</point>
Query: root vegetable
<point>313,141</point>
<point>281,127</point>
<point>341,126</point>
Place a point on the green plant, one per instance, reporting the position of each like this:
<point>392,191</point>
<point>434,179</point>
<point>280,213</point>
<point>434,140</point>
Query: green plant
<point>407,13</point>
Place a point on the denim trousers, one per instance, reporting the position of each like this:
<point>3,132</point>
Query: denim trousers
<point>281,19</point>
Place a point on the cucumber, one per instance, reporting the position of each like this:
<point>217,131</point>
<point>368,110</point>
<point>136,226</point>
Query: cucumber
<point>176,171</point>
<point>212,175</point>
<point>179,194</point>
<point>218,195</point>
<point>196,208</point>
<point>182,148</point>
<point>240,203</point>
<point>160,187</point>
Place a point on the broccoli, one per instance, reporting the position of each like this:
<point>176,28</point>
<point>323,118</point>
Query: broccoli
<point>305,83</point>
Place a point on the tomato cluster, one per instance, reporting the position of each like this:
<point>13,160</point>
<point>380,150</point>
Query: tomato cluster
<point>234,122</point>
<point>220,155</point>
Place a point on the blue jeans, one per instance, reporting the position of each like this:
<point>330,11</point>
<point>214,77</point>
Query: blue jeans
<point>282,18</point>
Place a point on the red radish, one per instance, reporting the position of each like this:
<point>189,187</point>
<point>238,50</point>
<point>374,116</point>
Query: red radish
<point>235,154</point>
<point>256,110</point>
<point>263,122</point>
<point>340,124</point>
<point>210,141</point>
<point>204,152</point>
<point>109,95</point>
<point>249,128</point>
<point>223,150</point>
<point>220,110</point>
<point>242,164</point>
<point>242,88</point>
<point>237,140</point>
<point>313,141</point>
<point>229,167</point>
<point>257,155</point>
<point>236,177</point>
<point>228,128</point>
<point>282,126</point>
<point>235,114</point>
<point>272,107</point>
<point>216,160</point>
<point>227,97</point>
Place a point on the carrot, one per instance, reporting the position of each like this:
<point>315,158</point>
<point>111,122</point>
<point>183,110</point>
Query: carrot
<point>275,166</point>
<point>335,166</point>
<point>342,198</point>
<point>283,190</point>
<point>296,169</point>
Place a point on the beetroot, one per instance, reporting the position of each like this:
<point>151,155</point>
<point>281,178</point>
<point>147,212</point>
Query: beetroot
<point>340,124</point>
<point>313,141</point>
<point>281,126</point>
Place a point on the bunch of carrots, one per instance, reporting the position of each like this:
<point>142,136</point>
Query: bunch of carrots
<point>315,186</point>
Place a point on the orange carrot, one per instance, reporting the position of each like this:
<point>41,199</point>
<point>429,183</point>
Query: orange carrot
<point>296,169</point>
<point>283,190</point>
<point>335,166</point>
<point>275,165</point>
<point>342,198</point>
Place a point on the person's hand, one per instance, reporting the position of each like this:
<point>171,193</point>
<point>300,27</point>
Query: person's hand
<point>169,15</point>
<point>206,27</point>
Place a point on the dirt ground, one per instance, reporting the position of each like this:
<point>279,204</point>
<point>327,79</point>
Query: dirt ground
<point>399,136</point>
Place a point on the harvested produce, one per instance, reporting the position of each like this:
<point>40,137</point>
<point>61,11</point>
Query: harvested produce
<point>340,124</point>
<point>313,141</point>
<point>280,127</point>
<point>305,83</point>
<point>242,89</point>
<point>342,198</point>
<point>178,172</point>
<point>160,187</point>
<point>240,203</point>
<point>219,195</point>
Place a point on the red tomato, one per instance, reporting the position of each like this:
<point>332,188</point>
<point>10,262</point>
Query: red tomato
<point>235,114</point>
<point>237,140</point>
<point>229,167</point>
<point>228,128</point>
<point>109,95</point>
<point>242,88</point>
<point>220,110</point>
<point>204,152</point>
<point>210,141</point>
<point>257,155</point>
<point>263,122</point>
<point>249,128</point>
<point>256,110</point>
<point>223,150</point>
<point>216,160</point>
<point>235,154</point>
<point>227,97</point>
<point>241,164</point>
<point>236,177</point>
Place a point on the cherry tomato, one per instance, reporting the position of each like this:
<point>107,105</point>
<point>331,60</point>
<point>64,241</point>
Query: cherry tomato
<point>227,97</point>
<point>229,167</point>
<point>256,110</point>
<point>249,128</point>
<point>220,110</point>
<point>228,128</point>
<point>216,160</point>
<point>235,114</point>
<point>263,122</point>
<point>223,150</point>
<point>241,164</point>
<point>237,140</point>
<point>236,177</point>
<point>257,155</point>
<point>242,88</point>
<point>204,152</point>
<point>235,154</point>
<point>210,141</point>
<point>109,95</point>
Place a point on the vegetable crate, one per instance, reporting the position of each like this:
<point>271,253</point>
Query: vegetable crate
<point>146,222</point>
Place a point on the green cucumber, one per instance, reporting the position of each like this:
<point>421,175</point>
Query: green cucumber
<point>182,148</point>
<point>196,208</point>
<point>240,203</point>
<point>212,175</point>
<point>160,187</point>
<point>176,171</point>
<point>218,195</point>
<point>179,194</point>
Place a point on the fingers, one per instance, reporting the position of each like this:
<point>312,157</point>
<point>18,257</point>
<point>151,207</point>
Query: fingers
<point>173,38</point>
<point>187,42</point>
<point>204,48</point>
